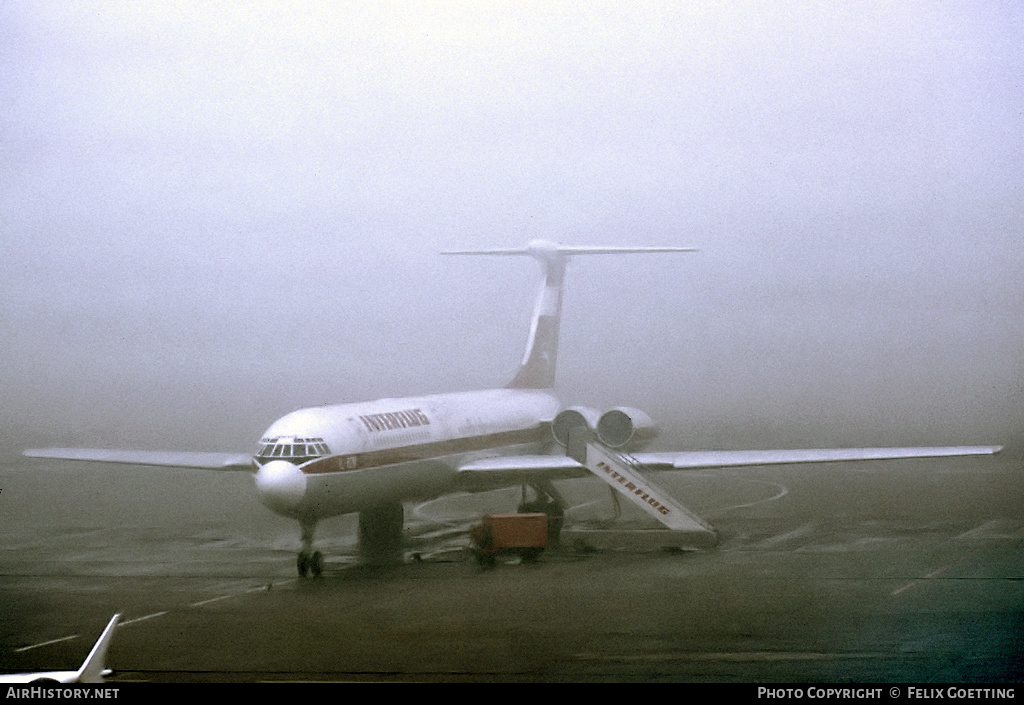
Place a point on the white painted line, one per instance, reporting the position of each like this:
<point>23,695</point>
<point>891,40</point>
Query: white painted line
<point>268,586</point>
<point>261,588</point>
<point>783,491</point>
<point>797,533</point>
<point>212,599</point>
<point>981,531</point>
<point>141,619</point>
<point>939,571</point>
<point>47,643</point>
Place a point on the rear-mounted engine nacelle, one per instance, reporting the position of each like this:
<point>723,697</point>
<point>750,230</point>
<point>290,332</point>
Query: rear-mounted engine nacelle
<point>625,428</point>
<point>573,417</point>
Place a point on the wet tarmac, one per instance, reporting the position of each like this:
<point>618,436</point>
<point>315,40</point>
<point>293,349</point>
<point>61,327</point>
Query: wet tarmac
<point>875,572</point>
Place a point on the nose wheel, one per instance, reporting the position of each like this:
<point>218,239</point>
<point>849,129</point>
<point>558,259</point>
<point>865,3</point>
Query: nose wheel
<point>309,563</point>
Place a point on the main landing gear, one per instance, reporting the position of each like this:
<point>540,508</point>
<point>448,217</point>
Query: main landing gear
<point>547,500</point>
<point>380,533</point>
<point>381,540</point>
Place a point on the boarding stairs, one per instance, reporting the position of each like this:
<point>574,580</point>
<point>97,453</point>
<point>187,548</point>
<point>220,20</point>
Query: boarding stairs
<point>627,477</point>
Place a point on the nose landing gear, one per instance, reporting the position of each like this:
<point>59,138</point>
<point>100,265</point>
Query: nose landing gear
<point>309,562</point>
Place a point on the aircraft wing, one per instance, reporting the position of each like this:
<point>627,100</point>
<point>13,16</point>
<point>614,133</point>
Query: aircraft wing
<point>508,470</point>
<point>515,469</point>
<point>706,459</point>
<point>176,459</point>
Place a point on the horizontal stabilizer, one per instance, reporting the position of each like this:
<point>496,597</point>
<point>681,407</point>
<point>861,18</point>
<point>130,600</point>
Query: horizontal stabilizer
<point>544,249</point>
<point>537,369</point>
<point>160,458</point>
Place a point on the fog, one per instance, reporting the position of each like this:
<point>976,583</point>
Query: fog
<point>214,213</point>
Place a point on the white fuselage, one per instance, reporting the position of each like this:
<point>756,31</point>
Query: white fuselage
<point>329,460</point>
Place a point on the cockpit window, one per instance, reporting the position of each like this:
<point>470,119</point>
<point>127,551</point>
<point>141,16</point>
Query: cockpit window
<point>299,450</point>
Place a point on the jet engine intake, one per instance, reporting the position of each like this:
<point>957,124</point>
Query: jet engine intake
<point>624,427</point>
<point>573,417</point>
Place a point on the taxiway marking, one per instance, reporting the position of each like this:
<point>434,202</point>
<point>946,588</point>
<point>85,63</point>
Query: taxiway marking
<point>797,533</point>
<point>938,571</point>
<point>783,491</point>
<point>212,599</point>
<point>154,615</point>
<point>933,574</point>
<point>249,591</point>
<point>47,643</point>
<point>142,619</point>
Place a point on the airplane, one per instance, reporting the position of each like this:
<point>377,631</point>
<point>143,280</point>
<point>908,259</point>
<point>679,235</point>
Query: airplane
<point>92,670</point>
<point>371,457</point>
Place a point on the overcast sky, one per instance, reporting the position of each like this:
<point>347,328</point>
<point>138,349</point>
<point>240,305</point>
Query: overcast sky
<point>214,213</point>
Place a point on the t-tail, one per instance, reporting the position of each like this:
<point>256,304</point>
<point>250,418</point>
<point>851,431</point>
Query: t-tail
<point>537,369</point>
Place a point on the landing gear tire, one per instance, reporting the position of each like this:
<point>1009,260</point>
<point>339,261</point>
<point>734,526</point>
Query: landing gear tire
<point>308,560</point>
<point>311,564</point>
<point>530,555</point>
<point>380,533</point>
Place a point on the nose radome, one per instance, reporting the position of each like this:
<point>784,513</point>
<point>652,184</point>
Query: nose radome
<point>281,486</point>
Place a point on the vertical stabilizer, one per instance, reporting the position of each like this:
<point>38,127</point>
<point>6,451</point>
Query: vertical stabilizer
<point>537,369</point>
<point>95,663</point>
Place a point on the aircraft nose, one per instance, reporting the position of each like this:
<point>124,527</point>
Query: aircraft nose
<point>281,486</point>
